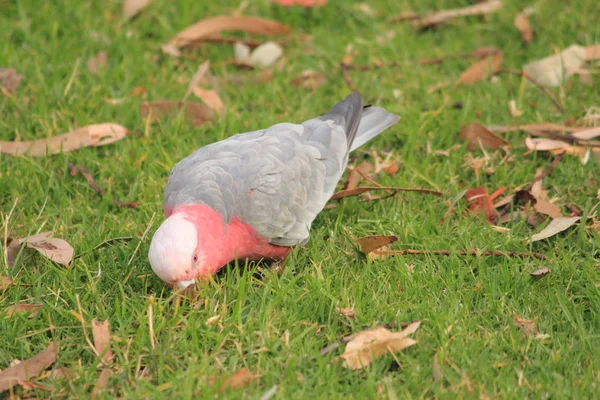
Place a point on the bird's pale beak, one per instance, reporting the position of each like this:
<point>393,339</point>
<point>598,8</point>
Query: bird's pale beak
<point>184,284</point>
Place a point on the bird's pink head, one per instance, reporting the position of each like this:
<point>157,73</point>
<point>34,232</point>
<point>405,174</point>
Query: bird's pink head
<point>174,253</point>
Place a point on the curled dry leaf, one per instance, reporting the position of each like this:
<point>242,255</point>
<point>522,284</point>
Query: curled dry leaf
<point>197,113</point>
<point>528,326</point>
<point>9,79</point>
<point>551,71</point>
<point>477,136</point>
<point>541,272</point>
<point>30,309</point>
<point>522,24</point>
<point>211,26</point>
<point>28,369</point>
<point>88,136</point>
<point>131,8</point>
<point>374,343</point>
<point>55,249</point>
<point>439,17</point>
<point>369,244</point>
<point>557,225</point>
<point>101,335</point>
<point>481,70</point>
<point>309,79</point>
<point>97,62</point>
<point>210,98</point>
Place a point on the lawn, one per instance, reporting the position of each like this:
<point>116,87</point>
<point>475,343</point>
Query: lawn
<point>273,322</point>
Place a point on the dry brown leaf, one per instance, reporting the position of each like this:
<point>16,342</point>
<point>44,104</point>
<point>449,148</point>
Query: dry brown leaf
<point>356,175</point>
<point>28,369</point>
<point>97,62</point>
<point>240,379</point>
<point>557,225</point>
<point>528,326</point>
<point>101,335</point>
<point>541,272</point>
<point>131,8</point>
<point>551,71</point>
<point>374,343</point>
<point>197,113</point>
<point>481,70</point>
<point>211,26</point>
<point>545,207</point>
<point>592,52</point>
<point>522,24</point>
<point>369,244</point>
<point>5,282</point>
<point>55,249</point>
<point>309,79</point>
<point>88,136</point>
<point>9,79</point>
<point>444,16</point>
<point>31,309</point>
<point>101,383</point>
<point>478,136</point>
<point>210,98</point>
<point>347,312</point>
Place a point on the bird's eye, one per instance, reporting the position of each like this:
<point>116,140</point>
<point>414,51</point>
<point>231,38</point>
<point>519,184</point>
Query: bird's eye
<point>195,257</point>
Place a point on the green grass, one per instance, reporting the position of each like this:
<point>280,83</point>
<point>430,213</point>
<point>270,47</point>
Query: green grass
<point>467,304</point>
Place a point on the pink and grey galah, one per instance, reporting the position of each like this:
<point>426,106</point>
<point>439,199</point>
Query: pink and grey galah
<point>255,195</point>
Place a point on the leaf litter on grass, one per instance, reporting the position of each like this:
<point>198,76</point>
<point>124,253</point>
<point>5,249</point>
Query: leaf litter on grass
<point>23,372</point>
<point>58,250</point>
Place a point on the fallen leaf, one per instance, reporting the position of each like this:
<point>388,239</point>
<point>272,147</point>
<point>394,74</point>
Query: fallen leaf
<point>31,309</point>
<point>592,52</point>
<point>28,369</point>
<point>131,8</point>
<point>55,249</point>
<point>5,282</point>
<point>346,312</point>
<point>478,136</point>
<point>557,225</point>
<point>101,335</point>
<point>136,91</point>
<point>303,3</point>
<point>436,18</point>
<point>265,55</point>
<point>210,98</point>
<point>211,26</point>
<point>480,202</point>
<point>374,343</point>
<point>101,383</point>
<point>91,135</point>
<point>481,70</point>
<point>9,79</point>
<point>238,380</point>
<point>369,244</point>
<point>241,51</point>
<point>522,24</point>
<point>212,320</point>
<point>541,272</point>
<point>309,79</point>
<point>514,111</point>
<point>528,326</point>
<point>197,113</point>
<point>436,370</point>
<point>97,62</point>
<point>551,71</point>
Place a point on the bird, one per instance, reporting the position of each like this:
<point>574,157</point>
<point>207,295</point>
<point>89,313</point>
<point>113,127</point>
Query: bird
<point>255,195</point>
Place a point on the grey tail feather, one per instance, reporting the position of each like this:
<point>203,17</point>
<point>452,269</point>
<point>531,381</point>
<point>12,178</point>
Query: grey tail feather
<point>374,120</point>
<point>347,113</point>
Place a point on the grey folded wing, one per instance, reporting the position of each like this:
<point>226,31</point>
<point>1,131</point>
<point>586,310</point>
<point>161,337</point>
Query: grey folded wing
<point>276,180</point>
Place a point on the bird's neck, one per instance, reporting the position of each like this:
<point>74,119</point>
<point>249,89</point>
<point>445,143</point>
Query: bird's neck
<point>221,242</point>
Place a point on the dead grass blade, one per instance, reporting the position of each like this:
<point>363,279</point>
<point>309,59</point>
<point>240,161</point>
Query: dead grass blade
<point>28,369</point>
<point>91,135</point>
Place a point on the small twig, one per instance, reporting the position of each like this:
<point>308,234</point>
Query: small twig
<point>74,169</point>
<point>547,171</point>
<point>348,78</point>
<point>535,82</point>
<point>496,253</point>
<point>359,190</point>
